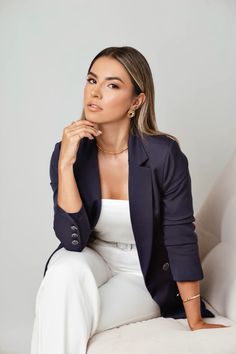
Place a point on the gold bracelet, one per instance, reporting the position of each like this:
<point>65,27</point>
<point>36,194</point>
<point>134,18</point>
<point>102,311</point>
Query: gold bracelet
<point>191,298</point>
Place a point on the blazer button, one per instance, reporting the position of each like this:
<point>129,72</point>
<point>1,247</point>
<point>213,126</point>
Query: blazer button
<point>165,266</point>
<point>75,242</point>
<point>74,228</point>
<point>74,235</point>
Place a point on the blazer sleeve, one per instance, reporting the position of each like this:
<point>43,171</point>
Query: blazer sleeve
<point>180,237</point>
<point>68,227</point>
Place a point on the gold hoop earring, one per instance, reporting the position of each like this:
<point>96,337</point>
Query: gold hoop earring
<point>131,113</point>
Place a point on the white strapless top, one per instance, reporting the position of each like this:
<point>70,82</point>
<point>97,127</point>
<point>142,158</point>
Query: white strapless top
<point>114,224</point>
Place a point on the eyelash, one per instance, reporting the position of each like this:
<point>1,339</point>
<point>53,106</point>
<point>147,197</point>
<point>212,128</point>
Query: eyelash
<point>115,86</point>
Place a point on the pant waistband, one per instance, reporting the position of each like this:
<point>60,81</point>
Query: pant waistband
<point>121,245</point>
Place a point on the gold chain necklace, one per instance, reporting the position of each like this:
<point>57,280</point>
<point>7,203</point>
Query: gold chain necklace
<point>110,152</point>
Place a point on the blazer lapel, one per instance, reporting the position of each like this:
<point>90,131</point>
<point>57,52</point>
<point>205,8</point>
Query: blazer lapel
<point>141,202</point>
<point>140,191</point>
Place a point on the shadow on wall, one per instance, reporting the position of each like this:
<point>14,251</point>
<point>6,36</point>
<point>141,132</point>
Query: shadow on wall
<point>215,220</point>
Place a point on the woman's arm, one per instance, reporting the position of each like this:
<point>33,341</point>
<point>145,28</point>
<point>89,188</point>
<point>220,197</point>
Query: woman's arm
<point>70,216</point>
<point>178,219</point>
<point>192,307</point>
<point>180,237</point>
<point>68,195</point>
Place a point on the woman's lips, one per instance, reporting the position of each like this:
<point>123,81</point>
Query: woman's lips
<point>94,108</point>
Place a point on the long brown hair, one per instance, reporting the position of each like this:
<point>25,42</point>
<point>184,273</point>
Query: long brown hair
<point>141,76</point>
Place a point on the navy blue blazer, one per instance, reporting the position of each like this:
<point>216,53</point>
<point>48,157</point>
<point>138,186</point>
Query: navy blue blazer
<point>161,212</point>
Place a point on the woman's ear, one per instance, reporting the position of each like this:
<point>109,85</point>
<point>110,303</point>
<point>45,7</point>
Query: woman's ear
<point>139,100</point>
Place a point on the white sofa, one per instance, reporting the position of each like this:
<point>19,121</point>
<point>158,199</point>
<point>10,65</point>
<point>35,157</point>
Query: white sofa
<point>216,230</point>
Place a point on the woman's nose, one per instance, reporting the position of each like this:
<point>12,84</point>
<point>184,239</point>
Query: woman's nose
<point>95,92</point>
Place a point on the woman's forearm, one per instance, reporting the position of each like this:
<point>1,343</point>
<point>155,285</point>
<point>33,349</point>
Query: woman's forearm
<point>68,195</point>
<point>192,307</point>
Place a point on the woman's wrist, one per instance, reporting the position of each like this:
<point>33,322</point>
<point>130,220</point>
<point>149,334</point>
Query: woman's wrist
<point>196,325</point>
<point>64,166</point>
<point>191,298</point>
<point>190,295</point>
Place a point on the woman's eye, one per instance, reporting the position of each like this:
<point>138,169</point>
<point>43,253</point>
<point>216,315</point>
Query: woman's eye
<point>88,80</point>
<point>115,86</point>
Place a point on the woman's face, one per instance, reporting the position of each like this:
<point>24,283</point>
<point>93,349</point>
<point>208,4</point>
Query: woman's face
<point>108,86</point>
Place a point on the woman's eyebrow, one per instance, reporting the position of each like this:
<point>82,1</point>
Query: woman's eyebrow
<point>108,78</point>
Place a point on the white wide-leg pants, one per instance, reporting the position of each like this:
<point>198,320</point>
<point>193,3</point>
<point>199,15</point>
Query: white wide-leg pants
<point>83,293</point>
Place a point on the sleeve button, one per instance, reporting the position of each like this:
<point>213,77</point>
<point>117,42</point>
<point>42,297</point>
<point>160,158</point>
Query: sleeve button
<point>73,227</point>
<point>74,234</point>
<point>75,242</point>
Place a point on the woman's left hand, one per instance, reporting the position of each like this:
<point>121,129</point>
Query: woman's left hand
<point>203,325</point>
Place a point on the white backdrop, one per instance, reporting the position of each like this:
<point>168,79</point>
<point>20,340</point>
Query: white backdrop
<point>46,48</point>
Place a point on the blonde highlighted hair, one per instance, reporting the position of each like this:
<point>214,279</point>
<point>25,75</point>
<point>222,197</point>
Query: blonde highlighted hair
<point>140,74</point>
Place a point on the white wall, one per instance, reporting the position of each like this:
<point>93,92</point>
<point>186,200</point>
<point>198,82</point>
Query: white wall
<point>46,48</point>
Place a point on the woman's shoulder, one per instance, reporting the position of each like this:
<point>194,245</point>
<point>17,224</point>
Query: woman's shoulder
<point>159,144</point>
<point>159,139</point>
<point>163,150</point>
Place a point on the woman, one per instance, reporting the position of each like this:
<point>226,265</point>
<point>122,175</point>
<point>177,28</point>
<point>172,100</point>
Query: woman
<point>123,214</point>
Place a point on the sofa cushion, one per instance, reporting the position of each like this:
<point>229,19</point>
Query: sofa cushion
<point>166,336</point>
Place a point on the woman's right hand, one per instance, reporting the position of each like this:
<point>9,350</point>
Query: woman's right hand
<point>72,134</point>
